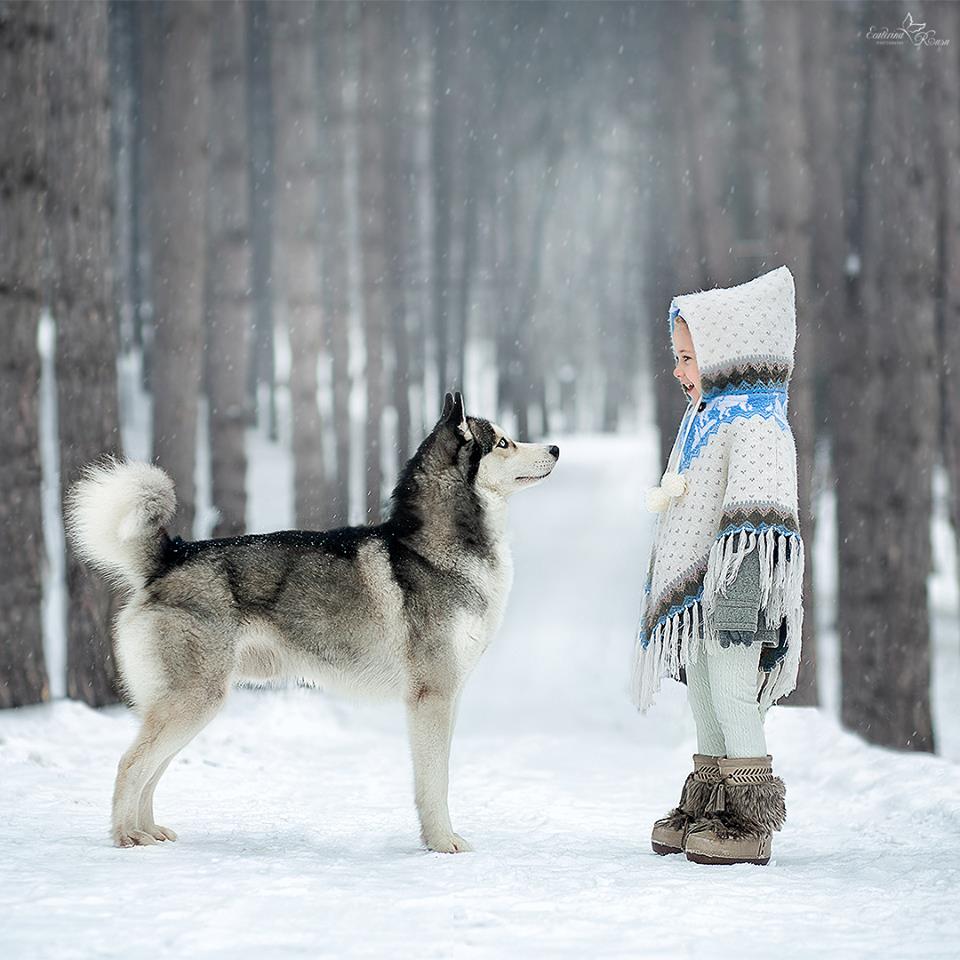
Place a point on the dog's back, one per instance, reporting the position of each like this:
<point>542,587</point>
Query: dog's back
<point>355,608</point>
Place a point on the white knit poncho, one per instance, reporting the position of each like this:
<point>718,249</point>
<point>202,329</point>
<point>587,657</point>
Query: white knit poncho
<point>739,463</point>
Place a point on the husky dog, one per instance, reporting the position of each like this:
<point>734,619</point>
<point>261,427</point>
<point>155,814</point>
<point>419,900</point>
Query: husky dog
<point>402,608</point>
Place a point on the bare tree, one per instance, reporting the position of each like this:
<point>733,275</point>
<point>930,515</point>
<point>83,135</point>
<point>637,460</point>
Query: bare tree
<point>79,220</point>
<point>420,256</point>
<point>335,33</point>
<point>178,109</point>
<point>790,201</point>
<point>400,66</point>
<point>123,138</point>
<point>372,239</point>
<point>670,262</point>
<point>884,466</point>
<point>228,271</point>
<point>443,130</point>
<point>23,672</point>
<point>944,80</point>
<point>296,250</point>
<point>261,139</point>
<point>702,123</point>
<point>826,294</point>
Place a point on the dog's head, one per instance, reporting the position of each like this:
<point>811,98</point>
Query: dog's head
<point>482,454</point>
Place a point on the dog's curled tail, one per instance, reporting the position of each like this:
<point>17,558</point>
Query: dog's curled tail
<point>115,515</point>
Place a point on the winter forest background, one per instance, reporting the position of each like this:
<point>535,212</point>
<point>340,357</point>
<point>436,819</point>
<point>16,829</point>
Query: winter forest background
<point>256,241</point>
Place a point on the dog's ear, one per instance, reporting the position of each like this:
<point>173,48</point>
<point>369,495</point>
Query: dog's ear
<point>447,407</point>
<point>456,417</point>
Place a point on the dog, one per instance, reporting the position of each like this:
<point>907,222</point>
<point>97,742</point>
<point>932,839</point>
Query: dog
<point>403,608</point>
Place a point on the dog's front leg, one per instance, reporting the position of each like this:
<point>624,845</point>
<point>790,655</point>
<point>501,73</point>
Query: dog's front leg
<point>430,716</point>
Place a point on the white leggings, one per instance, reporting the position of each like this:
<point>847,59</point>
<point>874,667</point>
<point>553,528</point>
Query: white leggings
<point>722,689</point>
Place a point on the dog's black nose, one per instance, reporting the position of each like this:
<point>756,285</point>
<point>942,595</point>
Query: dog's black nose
<point>554,452</point>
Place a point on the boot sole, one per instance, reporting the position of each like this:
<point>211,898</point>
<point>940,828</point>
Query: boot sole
<point>664,850</point>
<point>720,861</point>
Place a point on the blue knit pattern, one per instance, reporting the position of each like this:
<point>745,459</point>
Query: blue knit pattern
<point>757,528</point>
<point>755,401</point>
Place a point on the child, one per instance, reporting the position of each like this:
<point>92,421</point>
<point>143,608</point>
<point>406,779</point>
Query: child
<point>722,603</point>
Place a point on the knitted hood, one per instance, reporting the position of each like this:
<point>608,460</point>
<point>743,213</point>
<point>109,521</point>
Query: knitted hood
<point>743,334</point>
<point>730,488</point>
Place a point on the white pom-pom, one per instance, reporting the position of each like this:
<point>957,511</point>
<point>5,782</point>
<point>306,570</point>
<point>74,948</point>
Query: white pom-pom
<point>674,484</point>
<point>657,500</point>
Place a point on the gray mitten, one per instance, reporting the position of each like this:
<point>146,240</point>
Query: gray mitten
<point>737,615</point>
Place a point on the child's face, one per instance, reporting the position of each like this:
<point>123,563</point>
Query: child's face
<point>686,370</point>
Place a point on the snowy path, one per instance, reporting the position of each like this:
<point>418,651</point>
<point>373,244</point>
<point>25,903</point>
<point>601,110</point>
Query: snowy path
<point>298,834</point>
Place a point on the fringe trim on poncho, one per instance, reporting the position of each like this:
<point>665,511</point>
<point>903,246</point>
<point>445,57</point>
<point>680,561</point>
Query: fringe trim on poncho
<point>675,641</point>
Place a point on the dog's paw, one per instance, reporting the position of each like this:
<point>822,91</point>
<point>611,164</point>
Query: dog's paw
<point>448,843</point>
<point>132,837</point>
<point>160,833</point>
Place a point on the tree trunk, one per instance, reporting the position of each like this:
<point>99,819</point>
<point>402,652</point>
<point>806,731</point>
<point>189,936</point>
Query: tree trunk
<point>443,129</point>
<point>471,104</point>
<point>23,672</point>
<point>507,264</point>
<point>944,106</point>
<point>420,257</point>
<point>78,218</point>
<point>529,289</point>
<point>228,320</point>
<point>399,212</point>
<point>334,34</point>
<point>296,254</point>
<point>788,175</point>
<point>672,267</point>
<point>701,121</point>
<point>372,239</point>
<point>826,302</point>
<point>884,466</point>
<point>122,141</point>
<point>178,188</point>
<point>261,138</point>
<point>826,298</point>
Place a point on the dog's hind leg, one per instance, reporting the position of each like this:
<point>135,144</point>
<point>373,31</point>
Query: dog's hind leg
<point>168,725</point>
<point>430,716</point>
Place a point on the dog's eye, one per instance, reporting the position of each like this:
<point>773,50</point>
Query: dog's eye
<point>503,443</point>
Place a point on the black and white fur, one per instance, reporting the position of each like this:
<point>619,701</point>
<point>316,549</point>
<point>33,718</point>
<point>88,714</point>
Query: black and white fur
<point>403,608</point>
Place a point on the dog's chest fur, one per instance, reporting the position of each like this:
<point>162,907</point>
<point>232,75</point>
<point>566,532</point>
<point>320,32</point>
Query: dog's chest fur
<point>492,576</point>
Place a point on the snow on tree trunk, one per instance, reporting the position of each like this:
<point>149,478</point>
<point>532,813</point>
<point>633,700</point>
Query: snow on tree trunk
<point>884,459</point>
<point>23,672</point>
<point>296,251</point>
<point>179,96</point>
<point>228,272</point>
<point>79,223</point>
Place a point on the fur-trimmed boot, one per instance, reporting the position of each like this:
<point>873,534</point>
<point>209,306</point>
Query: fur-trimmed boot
<point>746,806</point>
<point>670,831</point>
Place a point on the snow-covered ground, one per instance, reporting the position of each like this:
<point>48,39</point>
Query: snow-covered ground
<point>298,835</point>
